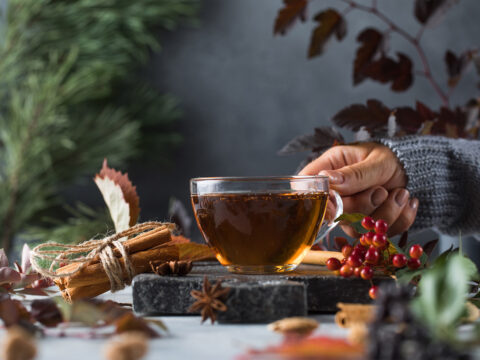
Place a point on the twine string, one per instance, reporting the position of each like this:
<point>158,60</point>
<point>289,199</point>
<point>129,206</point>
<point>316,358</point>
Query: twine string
<point>112,265</point>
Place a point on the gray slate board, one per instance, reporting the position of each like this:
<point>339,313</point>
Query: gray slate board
<point>252,298</point>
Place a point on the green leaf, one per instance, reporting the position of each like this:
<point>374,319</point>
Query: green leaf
<point>350,218</point>
<point>406,275</point>
<point>443,293</point>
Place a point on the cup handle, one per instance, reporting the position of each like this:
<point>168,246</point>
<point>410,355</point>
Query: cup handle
<point>327,227</point>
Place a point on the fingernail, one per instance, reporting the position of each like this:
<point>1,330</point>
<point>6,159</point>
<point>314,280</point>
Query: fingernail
<point>414,203</point>
<point>379,196</point>
<point>401,197</point>
<point>335,177</point>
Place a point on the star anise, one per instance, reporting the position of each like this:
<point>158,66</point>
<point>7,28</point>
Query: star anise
<point>209,300</point>
<point>171,267</point>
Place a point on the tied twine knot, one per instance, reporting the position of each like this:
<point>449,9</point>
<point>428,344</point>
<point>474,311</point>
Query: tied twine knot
<point>104,248</point>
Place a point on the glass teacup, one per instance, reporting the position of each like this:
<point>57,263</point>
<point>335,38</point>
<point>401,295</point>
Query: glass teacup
<point>263,224</point>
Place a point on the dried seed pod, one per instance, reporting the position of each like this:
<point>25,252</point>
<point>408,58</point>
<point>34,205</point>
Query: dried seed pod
<point>171,267</point>
<point>294,326</point>
<point>18,345</point>
<point>127,346</point>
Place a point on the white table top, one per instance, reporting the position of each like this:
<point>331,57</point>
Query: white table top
<point>188,339</point>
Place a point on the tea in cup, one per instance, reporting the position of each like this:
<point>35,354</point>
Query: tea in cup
<point>261,224</point>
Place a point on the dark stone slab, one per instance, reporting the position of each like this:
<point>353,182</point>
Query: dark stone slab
<point>273,296</point>
<point>263,301</point>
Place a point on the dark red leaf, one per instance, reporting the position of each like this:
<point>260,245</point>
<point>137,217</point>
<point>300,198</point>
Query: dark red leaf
<point>456,65</point>
<point>450,123</point>
<point>13,312</point>
<point>330,22</point>
<point>402,243</point>
<point>387,70</point>
<point>403,78</point>
<point>8,275</point>
<point>425,112</point>
<point>429,246</point>
<point>374,116</point>
<point>46,312</point>
<point>286,17</point>
<point>179,215</point>
<point>408,119</point>
<point>322,138</point>
<point>371,40</point>
<point>3,259</point>
<point>430,12</point>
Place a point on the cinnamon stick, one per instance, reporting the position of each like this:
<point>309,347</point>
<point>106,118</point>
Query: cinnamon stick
<point>318,257</point>
<point>94,274</point>
<point>141,242</point>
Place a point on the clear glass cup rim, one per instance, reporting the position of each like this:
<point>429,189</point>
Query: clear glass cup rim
<point>261,178</point>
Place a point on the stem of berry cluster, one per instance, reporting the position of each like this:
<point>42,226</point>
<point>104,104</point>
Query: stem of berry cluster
<point>414,40</point>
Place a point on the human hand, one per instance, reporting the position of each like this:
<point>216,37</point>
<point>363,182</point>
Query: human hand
<point>370,180</point>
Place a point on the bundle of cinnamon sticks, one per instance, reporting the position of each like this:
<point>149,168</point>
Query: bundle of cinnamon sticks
<point>92,280</point>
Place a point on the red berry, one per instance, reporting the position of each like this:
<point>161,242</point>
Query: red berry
<point>357,271</point>
<point>354,261</point>
<point>346,271</point>
<point>340,242</point>
<point>347,250</point>
<point>381,227</point>
<point>399,260</point>
<point>380,241</point>
<point>372,256</point>
<point>364,241</point>
<point>343,261</point>
<point>416,251</point>
<point>373,292</point>
<point>333,264</point>
<point>366,273</point>
<point>368,223</point>
<point>369,237</point>
<point>359,254</point>
<point>414,264</point>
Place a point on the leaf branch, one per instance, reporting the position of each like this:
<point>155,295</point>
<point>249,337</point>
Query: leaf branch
<point>415,41</point>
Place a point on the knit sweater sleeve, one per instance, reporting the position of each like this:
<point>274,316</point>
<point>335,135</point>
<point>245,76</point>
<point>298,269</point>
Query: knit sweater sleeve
<point>444,174</point>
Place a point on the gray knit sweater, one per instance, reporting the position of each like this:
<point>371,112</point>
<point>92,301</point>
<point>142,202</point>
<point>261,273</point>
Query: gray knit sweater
<point>444,174</point>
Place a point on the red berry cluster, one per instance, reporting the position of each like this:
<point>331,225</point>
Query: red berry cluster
<point>371,252</point>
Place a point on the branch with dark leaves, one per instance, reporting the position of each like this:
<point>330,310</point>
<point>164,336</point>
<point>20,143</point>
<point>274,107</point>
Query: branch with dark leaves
<point>373,62</point>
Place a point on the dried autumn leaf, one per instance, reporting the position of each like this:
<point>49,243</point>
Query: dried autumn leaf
<point>429,247</point>
<point>130,322</point>
<point>425,112</point>
<point>330,22</point>
<point>456,65</point>
<point>450,123</point>
<point>13,312</point>
<point>321,139</point>
<point>408,119</point>
<point>385,70</point>
<point>179,215</point>
<point>431,12</point>
<point>195,252</point>
<point>373,117</point>
<point>46,312</point>
<point>402,243</point>
<point>8,275</point>
<point>403,78</point>
<point>119,195</point>
<point>3,259</point>
<point>286,17</point>
<point>318,347</point>
<point>371,40</point>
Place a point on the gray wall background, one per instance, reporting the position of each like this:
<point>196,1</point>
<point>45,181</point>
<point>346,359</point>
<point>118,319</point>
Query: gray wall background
<point>245,93</point>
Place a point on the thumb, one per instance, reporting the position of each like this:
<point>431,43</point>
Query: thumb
<point>355,178</point>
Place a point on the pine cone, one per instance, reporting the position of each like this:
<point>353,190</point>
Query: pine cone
<point>179,268</point>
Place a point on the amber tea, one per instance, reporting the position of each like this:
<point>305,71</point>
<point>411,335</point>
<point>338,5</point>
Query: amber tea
<point>254,231</point>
